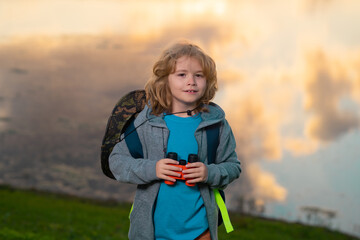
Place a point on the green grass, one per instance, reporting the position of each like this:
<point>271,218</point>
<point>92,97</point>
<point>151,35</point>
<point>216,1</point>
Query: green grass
<point>34,215</point>
<point>46,216</point>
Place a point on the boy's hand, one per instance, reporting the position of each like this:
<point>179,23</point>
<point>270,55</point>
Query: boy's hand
<point>164,170</point>
<point>196,172</point>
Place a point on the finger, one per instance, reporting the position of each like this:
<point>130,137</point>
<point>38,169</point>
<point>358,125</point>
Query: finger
<point>167,178</point>
<point>194,180</point>
<point>171,173</point>
<point>190,171</point>
<point>194,170</point>
<point>194,165</point>
<point>170,161</point>
<point>173,168</point>
<point>191,176</point>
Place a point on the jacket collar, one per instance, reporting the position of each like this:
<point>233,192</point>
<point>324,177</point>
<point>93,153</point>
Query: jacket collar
<point>215,115</point>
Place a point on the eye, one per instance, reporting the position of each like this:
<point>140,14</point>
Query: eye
<point>181,74</point>
<point>199,75</point>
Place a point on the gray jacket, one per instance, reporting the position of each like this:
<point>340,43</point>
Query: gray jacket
<point>153,134</point>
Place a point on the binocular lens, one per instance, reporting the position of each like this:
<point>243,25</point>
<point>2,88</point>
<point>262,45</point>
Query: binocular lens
<point>172,155</point>
<point>193,158</point>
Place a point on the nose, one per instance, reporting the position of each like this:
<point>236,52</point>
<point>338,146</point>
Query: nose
<point>191,80</point>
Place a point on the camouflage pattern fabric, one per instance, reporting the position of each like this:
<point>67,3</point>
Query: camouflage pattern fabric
<point>127,107</point>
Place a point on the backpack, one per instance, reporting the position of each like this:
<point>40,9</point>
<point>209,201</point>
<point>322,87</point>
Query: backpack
<point>122,121</point>
<point>124,112</point>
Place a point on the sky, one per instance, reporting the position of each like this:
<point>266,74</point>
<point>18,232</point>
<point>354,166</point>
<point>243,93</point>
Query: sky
<point>288,73</point>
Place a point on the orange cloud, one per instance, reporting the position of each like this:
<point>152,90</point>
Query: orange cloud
<point>265,185</point>
<point>313,5</point>
<point>229,76</point>
<point>257,139</point>
<point>326,85</point>
<point>300,146</point>
<point>355,77</point>
<point>253,129</point>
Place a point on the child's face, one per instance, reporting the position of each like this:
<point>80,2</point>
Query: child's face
<point>187,84</point>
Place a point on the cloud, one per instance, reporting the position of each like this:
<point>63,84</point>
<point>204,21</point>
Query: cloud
<point>57,94</point>
<point>300,146</point>
<point>255,131</point>
<point>256,106</point>
<point>71,72</point>
<point>265,186</point>
<point>255,187</point>
<point>355,73</point>
<point>314,5</point>
<point>257,139</point>
<point>326,85</point>
<point>227,76</point>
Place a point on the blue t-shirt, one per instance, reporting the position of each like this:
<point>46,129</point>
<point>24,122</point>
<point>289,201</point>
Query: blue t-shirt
<point>180,211</point>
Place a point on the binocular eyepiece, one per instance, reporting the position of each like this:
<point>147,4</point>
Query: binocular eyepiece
<point>172,155</point>
<point>191,158</point>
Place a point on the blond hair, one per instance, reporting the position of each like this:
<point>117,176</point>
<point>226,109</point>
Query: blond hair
<point>157,89</point>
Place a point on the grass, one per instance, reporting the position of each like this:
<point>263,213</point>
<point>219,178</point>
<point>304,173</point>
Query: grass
<point>34,215</point>
<point>45,216</point>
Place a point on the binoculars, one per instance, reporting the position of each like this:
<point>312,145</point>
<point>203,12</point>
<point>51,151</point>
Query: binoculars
<point>191,159</point>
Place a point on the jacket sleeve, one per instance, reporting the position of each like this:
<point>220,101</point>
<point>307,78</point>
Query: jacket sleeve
<point>127,169</point>
<point>227,166</point>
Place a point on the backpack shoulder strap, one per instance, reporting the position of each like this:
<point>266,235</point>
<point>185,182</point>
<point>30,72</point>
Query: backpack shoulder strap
<point>212,136</point>
<point>133,141</point>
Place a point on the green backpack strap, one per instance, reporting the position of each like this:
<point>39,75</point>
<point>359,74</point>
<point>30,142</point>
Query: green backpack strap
<point>131,209</point>
<point>223,210</point>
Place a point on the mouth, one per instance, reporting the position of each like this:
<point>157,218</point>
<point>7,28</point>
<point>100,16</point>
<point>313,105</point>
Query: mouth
<point>191,91</point>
